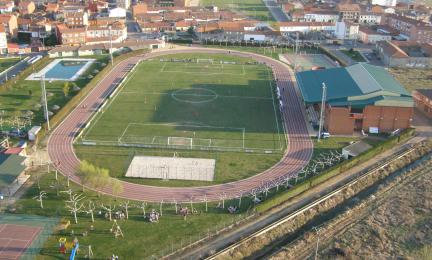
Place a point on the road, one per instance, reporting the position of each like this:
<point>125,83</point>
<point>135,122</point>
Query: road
<point>298,153</point>
<point>16,69</point>
<point>276,11</point>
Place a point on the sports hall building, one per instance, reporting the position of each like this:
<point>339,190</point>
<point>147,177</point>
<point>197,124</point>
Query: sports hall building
<point>359,97</point>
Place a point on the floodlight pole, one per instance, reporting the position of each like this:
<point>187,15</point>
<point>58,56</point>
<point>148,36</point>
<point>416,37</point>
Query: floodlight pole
<point>45,101</point>
<point>110,34</point>
<point>324,93</point>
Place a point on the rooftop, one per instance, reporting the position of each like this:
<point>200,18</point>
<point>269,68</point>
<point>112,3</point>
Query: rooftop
<point>357,85</point>
<point>11,166</point>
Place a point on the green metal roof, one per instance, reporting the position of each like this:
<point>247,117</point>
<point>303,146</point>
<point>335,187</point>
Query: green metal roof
<point>357,85</point>
<point>11,166</point>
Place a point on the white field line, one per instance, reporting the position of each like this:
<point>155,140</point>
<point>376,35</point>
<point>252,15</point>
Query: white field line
<point>274,108</point>
<point>196,95</point>
<point>239,129</point>
<point>110,101</point>
<point>218,67</point>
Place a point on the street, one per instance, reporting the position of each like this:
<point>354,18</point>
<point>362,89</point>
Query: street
<point>276,11</point>
<point>16,69</point>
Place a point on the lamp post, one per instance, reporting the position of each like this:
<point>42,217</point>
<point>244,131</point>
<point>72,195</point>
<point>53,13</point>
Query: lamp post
<point>110,51</point>
<point>323,99</point>
<point>110,39</point>
<point>45,101</point>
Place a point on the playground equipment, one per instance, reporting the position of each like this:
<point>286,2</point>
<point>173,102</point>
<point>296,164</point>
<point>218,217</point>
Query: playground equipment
<point>74,249</point>
<point>116,229</point>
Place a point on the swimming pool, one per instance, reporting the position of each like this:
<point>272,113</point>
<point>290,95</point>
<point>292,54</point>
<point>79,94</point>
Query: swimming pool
<point>63,69</point>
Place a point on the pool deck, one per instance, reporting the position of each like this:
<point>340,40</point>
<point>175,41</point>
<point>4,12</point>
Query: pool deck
<point>37,75</point>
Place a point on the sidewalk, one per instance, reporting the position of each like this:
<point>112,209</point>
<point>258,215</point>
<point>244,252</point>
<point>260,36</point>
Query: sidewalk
<point>286,208</point>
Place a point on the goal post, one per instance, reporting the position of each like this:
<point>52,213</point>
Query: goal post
<point>205,61</point>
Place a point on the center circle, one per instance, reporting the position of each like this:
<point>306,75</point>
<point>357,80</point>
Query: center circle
<point>194,95</point>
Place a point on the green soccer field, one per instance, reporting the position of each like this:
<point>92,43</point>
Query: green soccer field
<point>212,104</point>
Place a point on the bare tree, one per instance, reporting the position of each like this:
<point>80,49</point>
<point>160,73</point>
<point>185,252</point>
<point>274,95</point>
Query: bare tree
<point>175,205</point>
<point>142,206</point>
<point>69,191</point>
<point>223,197</point>
<point>110,208</point>
<point>74,206</point>
<point>191,204</point>
<point>57,186</point>
<point>125,206</point>
<point>206,202</point>
<point>90,209</point>
<point>160,207</point>
<point>42,195</point>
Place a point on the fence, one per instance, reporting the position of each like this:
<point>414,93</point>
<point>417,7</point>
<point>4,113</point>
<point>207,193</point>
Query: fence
<point>176,247</point>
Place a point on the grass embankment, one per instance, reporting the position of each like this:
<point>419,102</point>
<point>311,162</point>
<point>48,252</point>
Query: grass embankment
<point>306,184</point>
<point>142,239</point>
<point>7,62</point>
<point>354,55</point>
<point>252,8</point>
<point>18,95</point>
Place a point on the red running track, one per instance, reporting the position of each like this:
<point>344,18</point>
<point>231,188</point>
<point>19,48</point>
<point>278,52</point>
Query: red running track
<point>298,153</point>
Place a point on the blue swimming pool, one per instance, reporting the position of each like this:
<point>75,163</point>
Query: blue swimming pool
<point>65,69</point>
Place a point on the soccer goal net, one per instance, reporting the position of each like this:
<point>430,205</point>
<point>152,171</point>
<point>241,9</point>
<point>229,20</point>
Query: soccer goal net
<point>180,141</point>
<point>205,61</point>
<point>179,136</point>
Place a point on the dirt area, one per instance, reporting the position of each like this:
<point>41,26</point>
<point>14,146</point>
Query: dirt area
<point>413,79</point>
<point>400,228</point>
<point>284,233</point>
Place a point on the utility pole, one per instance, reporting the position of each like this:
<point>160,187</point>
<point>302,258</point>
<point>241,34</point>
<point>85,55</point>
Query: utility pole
<point>323,100</point>
<point>317,244</point>
<point>112,60</point>
<point>45,101</point>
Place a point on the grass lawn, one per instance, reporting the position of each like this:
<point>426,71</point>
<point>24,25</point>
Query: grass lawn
<point>355,55</point>
<point>7,62</point>
<point>266,51</point>
<point>22,95</point>
<point>252,8</point>
<point>228,107</point>
<point>413,79</point>
<point>142,239</point>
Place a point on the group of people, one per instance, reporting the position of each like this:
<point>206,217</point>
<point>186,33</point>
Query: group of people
<point>154,216</point>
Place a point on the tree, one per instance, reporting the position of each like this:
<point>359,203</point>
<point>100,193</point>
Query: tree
<point>142,206</point>
<point>90,209</point>
<point>42,195</point>
<point>92,176</point>
<point>101,179</point>
<point>30,92</point>
<point>74,205</point>
<point>191,30</point>
<point>110,208</point>
<point>86,173</point>
<point>66,89</point>
<point>125,206</point>
<point>116,187</point>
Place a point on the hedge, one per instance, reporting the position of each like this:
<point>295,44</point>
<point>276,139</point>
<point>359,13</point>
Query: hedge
<point>335,170</point>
